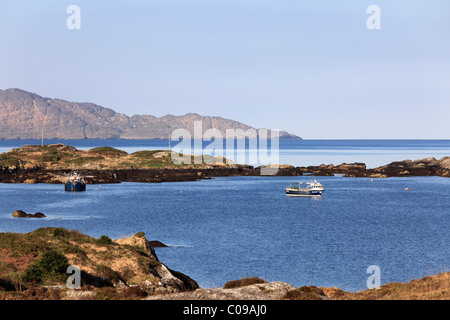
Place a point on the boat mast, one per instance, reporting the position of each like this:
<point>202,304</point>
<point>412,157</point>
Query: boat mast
<point>42,130</point>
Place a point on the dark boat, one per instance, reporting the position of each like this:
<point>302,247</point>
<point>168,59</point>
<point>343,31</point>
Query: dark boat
<point>75,183</point>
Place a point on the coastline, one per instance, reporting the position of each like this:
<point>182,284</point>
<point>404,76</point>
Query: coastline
<point>53,163</point>
<point>50,169</point>
<point>129,269</point>
<point>407,168</point>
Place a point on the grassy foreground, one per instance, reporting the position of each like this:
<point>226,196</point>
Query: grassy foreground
<point>435,287</point>
<point>34,266</point>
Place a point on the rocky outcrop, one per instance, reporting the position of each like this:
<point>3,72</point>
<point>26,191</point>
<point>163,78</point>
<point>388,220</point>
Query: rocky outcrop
<point>104,263</point>
<point>22,214</point>
<point>428,288</point>
<point>39,175</point>
<point>128,268</point>
<point>177,282</point>
<point>263,291</point>
<point>421,167</point>
<point>24,115</point>
<point>54,163</point>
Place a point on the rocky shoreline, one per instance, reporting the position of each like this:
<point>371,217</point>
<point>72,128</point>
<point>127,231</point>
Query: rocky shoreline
<point>54,163</point>
<point>34,267</point>
<point>406,168</point>
<point>33,262</point>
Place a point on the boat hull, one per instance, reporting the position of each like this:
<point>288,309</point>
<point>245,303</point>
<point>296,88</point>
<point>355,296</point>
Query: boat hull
<point>75,186</point>
<point>303,193</point>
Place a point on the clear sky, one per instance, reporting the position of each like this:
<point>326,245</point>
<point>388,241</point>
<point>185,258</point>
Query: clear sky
<point>312,68</point>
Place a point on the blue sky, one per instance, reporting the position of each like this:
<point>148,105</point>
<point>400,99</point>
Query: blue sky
<point>312,68</point>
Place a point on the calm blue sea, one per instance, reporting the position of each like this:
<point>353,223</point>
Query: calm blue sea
<point>233,227</point>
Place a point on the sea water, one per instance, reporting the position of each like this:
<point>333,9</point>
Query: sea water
<point>233,227</point>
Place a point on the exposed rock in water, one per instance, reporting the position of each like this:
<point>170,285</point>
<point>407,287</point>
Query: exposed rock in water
<point>23,214</point>
<point>158,244</point>
<point>39,215</point>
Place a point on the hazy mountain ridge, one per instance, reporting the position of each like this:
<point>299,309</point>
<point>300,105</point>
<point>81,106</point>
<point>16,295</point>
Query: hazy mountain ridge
<point>24,115</point>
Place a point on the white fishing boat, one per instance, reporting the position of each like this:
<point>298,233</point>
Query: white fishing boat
<point>305,189</point>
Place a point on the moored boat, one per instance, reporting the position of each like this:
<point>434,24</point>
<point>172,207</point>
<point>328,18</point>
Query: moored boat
<point>305,189</point>
<point>75,183</point>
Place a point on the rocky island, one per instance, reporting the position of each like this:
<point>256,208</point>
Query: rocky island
<point>53,164</point>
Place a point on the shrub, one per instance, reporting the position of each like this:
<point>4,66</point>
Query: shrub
<point>51,266</point>
<point>51,156</point>
<point>33,274</point>
<point>147,265</point>
<point>144,154</point>
<point>140,234</point>
<point>109,151</point>
<point>108,274</point>
<point>104,240</point>
<point>243,282</point>
<point>7,160</point>
<point>305,293</point>
<point>60,233</point>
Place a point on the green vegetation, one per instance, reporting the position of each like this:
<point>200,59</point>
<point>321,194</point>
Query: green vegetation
<point>79,161</point>
<point>50,267</point>
<point>145,154</point>
<point>140,234</point>
<point>30,262</point>
<point>40,258</point>
<point>147,265</point>
<point>107,273</point>
<point>305,293</point>
<point>51,156</point>
<point>8,160</point>
<point>152,159</point>
<point>59,156</point>
<point>104,240</point>
<point>128,293</point>
<point>61,233</point>
<point>435,287</point>
<point>243,282</point>
<point>21,248</point>
<point>108,152</point>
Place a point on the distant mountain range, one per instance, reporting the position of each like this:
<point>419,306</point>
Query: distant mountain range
<point>25,115</point>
